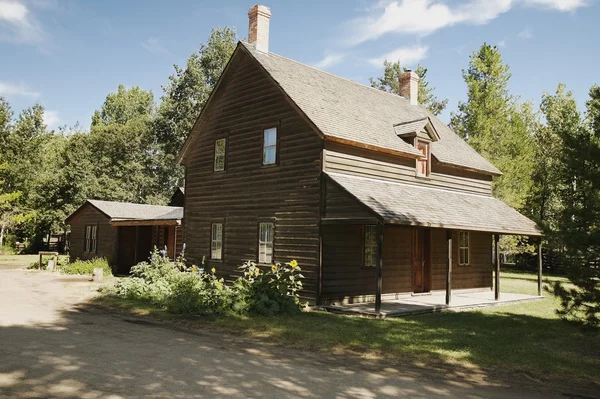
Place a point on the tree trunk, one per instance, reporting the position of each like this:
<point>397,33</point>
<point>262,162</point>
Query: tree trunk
<point>1,236</point>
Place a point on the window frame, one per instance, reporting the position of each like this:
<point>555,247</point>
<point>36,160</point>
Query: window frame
<point>372,246</point>
<point>214,240</point>
<point>467,249</point>
<point>224,155</point>
<point>90,240</point>
<point>427,174</point>
<point>265,146</point>
<point>261,242</point>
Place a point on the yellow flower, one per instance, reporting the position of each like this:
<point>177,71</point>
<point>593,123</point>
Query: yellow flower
<point>256,271</point>
<point>213,270</point>
<point>219,284</point>
<point>274,268</point>
<point>294,264</point>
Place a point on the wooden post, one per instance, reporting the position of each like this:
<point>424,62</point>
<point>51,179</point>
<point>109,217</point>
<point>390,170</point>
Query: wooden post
<point>379,267</point>
<point>449,268</point>
<point>497,267</point>
<point>40,261</point>
<point>137,237</point>
<point>175,243</point>
<point>539,268</point>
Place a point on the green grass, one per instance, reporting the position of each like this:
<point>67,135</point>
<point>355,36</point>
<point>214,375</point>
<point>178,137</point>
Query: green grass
<point>525,338</point>
<point>17,260</point>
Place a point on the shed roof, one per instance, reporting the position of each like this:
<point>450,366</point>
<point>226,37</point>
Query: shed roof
<point>347,110</point>
<point>433,207</point>
<point>120,211</point>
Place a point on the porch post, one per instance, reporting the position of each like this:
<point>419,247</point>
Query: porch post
<point>496,268</point>
<point>539,251</point>
<point>379,267</point>
<point>449,268</point>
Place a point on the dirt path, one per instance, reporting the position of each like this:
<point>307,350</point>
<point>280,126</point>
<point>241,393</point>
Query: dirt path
<point>50,347</point>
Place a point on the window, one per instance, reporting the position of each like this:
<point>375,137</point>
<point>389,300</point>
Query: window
<point>91,238</point>
<point>424,164</point>
<point>270,146</point>
<point>265,243</point>
<point>216,241</point>
<point>463,248</point>
<point>220,146</point>
<point>370,246</point>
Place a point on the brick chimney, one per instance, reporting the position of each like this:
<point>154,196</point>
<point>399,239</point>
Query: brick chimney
<point>258,27</point>
<point>409,86</point>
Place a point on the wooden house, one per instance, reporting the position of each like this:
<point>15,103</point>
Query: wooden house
<point>124,233</point>
<point>370,192</point>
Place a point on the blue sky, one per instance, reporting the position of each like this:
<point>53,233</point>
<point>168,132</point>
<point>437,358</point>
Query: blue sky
<point>68,55</point>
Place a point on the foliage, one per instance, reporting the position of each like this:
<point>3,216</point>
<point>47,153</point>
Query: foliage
<point>192,290</point>
<point>390,82</point>
<point>63,260</point>
<point>86,267</point>
<point>579,218</point>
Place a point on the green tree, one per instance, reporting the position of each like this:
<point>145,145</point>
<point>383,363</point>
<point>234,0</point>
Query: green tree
<point>189,88</point>
<point>7,205</point>
<point>390,82</point>
<point>580,216</point>
<point>123,106</point>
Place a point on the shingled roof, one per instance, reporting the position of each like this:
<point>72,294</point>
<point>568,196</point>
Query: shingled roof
<point>409,204</point>
<point>343,109</point>
<point>122,211</point>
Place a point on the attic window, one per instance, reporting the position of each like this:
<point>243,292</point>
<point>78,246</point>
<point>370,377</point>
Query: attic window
<point>424,164</point>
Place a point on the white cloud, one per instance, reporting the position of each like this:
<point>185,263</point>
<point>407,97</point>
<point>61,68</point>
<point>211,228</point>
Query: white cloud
<point>51,118</point>
<point>406,55</point>
<point>329,60</point>
<point>526,33</point>
<point>558,5</point>
<point>155,46</point>
<point>423,17</point>
<point>17,90</point>
<point>502,43</point>
<point>17,24</point>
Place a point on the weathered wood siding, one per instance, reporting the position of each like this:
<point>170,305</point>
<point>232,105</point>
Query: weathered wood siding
<point>106,236</point>
<point>360,162</point>
<point>345,279</point>
<point>247,192</point>
<point>477,274</point>
<point>341,205</point>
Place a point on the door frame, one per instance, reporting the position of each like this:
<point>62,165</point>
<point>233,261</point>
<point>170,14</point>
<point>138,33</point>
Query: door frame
<point>425,248</point>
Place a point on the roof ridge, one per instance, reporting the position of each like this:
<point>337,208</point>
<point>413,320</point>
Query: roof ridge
<point>337,76</point>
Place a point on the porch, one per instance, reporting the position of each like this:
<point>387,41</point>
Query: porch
<point>406,305</point>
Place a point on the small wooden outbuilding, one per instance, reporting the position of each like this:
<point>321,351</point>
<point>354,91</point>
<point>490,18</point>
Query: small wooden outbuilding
<point>124,233</point>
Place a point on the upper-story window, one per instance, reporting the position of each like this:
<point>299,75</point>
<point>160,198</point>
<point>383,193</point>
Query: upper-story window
<point>220,148</point>
<point>270,146</point>
<point>424,164</point>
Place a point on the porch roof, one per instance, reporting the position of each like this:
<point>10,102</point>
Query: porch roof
<point>407,204</point>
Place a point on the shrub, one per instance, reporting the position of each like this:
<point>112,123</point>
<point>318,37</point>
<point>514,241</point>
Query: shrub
<point>181,289</point>
<point>86,267</point>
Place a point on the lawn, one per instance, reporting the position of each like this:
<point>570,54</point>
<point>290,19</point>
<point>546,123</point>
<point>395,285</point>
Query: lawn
<point>525,338</point>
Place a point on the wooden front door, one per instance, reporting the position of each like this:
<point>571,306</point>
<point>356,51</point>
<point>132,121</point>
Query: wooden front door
<point>421,260</point>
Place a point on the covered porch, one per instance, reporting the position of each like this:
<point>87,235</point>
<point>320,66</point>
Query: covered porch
<point>432,249</point>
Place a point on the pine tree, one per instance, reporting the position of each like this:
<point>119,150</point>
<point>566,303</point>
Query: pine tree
<point>390,82</point>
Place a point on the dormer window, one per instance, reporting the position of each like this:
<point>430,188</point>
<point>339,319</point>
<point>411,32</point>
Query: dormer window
<point>424,163</point>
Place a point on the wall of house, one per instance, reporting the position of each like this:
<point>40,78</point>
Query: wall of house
<point>106,236</point>
<point>248,192</point>
<point>360,162</point>
<point>345,279</point>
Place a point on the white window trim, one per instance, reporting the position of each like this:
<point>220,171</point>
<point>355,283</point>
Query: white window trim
<point>265,146</point>
<point>90,241</point>
<point>428,151</point>
<point>468,248</point>
<point>262,254</point>
<point>216,243</point>
<point>371,246</point>
<point>218,156</point>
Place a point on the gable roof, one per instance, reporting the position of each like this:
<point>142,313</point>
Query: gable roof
<point>394,202</point>
<point>119,211</point>
<point>348,111</point>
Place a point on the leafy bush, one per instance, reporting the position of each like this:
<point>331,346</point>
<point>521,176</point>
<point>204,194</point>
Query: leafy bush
<point>191,290</point>
<point>86,267</point>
